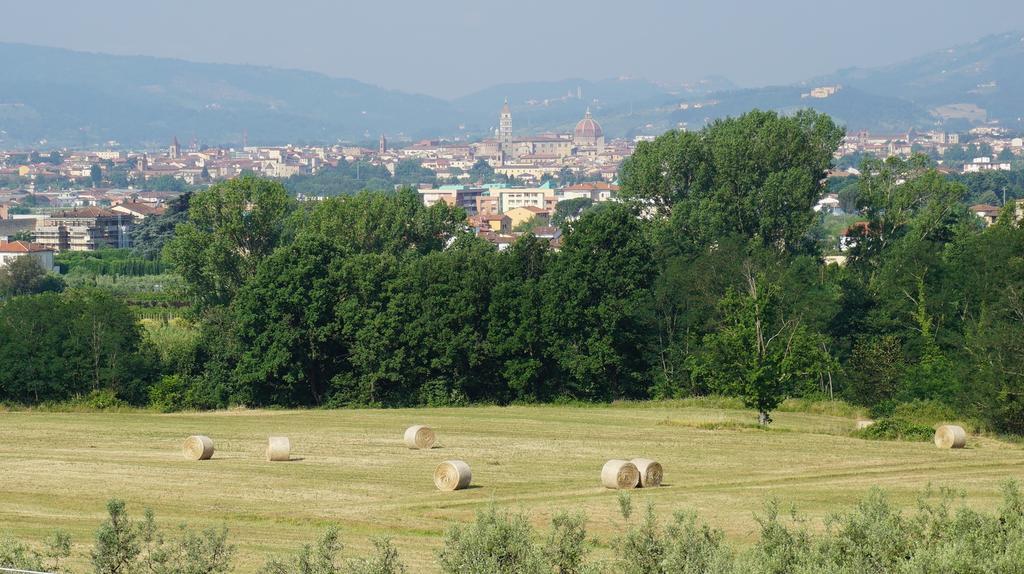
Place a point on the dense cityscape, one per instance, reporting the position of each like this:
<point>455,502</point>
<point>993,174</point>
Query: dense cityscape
<point>82,200</point>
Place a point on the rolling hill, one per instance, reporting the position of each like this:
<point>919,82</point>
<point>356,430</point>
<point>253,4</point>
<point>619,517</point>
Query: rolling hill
<point>53,97</point>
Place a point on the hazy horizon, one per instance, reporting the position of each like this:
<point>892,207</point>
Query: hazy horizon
<point>461,47</point>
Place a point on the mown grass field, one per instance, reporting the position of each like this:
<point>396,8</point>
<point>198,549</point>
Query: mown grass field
<point>57,470</point>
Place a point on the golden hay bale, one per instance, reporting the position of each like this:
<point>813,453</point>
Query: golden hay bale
<point>452,475</point>
<point>278,448</point>
<point>950,436</point>
<point>620,474</point>
<point>419,436</point>
<point>198,447</point>
<point>863,424</point>
<point>650,472</point>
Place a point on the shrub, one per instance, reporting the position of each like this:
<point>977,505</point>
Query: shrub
<point>896,429</point>
<point>323,557</point>
<point>642,548</point>
<point>496,543</point>
<point>126,546</point>
<point>692,547</point>
<point>566,549</point>
<point>103,400</point>
<point>14,554</point>
<point>385,560</point>
<point>168,395</point>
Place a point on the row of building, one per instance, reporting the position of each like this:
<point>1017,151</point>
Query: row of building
<point>69,221</point>
<point>1003,147</point>
<point>529,157</point>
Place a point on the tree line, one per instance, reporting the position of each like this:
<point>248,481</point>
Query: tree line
<point>706,277</point>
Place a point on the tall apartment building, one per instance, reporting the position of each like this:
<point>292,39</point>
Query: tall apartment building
<point>85,229</point>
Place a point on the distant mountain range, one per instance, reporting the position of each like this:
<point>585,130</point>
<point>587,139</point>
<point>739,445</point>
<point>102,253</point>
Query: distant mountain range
<point>52,97</point>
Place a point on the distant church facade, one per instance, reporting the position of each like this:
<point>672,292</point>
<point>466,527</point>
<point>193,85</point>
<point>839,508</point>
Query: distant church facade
<point>587,139</point>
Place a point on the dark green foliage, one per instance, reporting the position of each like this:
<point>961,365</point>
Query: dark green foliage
<point>231,228</point>
<point>755,176</point>
<point>896,428</point>
<point>498,542</point>
<point>165,183</point>
<point>389,223</point>
<point>708,280</point>
<point>150,236</point>
<point>570,209</point>
<point>592,296</point>
<point>26,276</point>
<point>350,178</point>
<point>108,262</point>
<point>59,346</point>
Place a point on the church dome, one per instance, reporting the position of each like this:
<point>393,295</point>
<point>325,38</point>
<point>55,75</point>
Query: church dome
<point>588,127</point>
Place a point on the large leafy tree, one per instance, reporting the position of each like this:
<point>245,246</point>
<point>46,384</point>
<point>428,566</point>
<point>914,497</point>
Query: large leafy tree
<point>757,176</point>
<point>55,346</point>
<point>761,353</point>
<point>375,222</point>
<point>290,337</point>
<point>442,300</point>
<point>515,333</point>
<point>593,295</point>
<point>231,228</point>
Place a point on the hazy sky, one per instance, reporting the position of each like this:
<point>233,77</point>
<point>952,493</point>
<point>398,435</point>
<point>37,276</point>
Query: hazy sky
<point>452,47</point>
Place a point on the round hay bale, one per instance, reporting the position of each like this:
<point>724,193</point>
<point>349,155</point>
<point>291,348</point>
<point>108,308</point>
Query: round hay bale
<point>620,474</point>
<point>863,424</point>
<point>650,472</point>
<point>198,447</point>
<point>950,436</point>
<point>419,436</point>
<point>452,475</point>
<point>278,448</point>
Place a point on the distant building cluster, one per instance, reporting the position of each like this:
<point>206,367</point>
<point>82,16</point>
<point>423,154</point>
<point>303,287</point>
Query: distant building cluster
<point>78,221</point>
<point>937,143</point>
<point>89,217</point>
<point>585,153</point>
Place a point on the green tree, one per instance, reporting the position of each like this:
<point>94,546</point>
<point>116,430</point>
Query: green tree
<point>231,228</point>
<point>374,222</point>
<point>482,171</point>
<point>26,276</point>
<point>96,175</point>
<point>570,209</point>
<point>286,317</point>
<point>118,542</point>
<point>593,293</point>
<point>757,176</point>
<point>515,328</point>
<point>155,231</point>
<point>759,353</point>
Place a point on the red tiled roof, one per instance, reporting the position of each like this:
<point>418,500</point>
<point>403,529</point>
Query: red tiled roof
<point>984,208</point>
<point>22,247</point>
<point>89,212</point>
